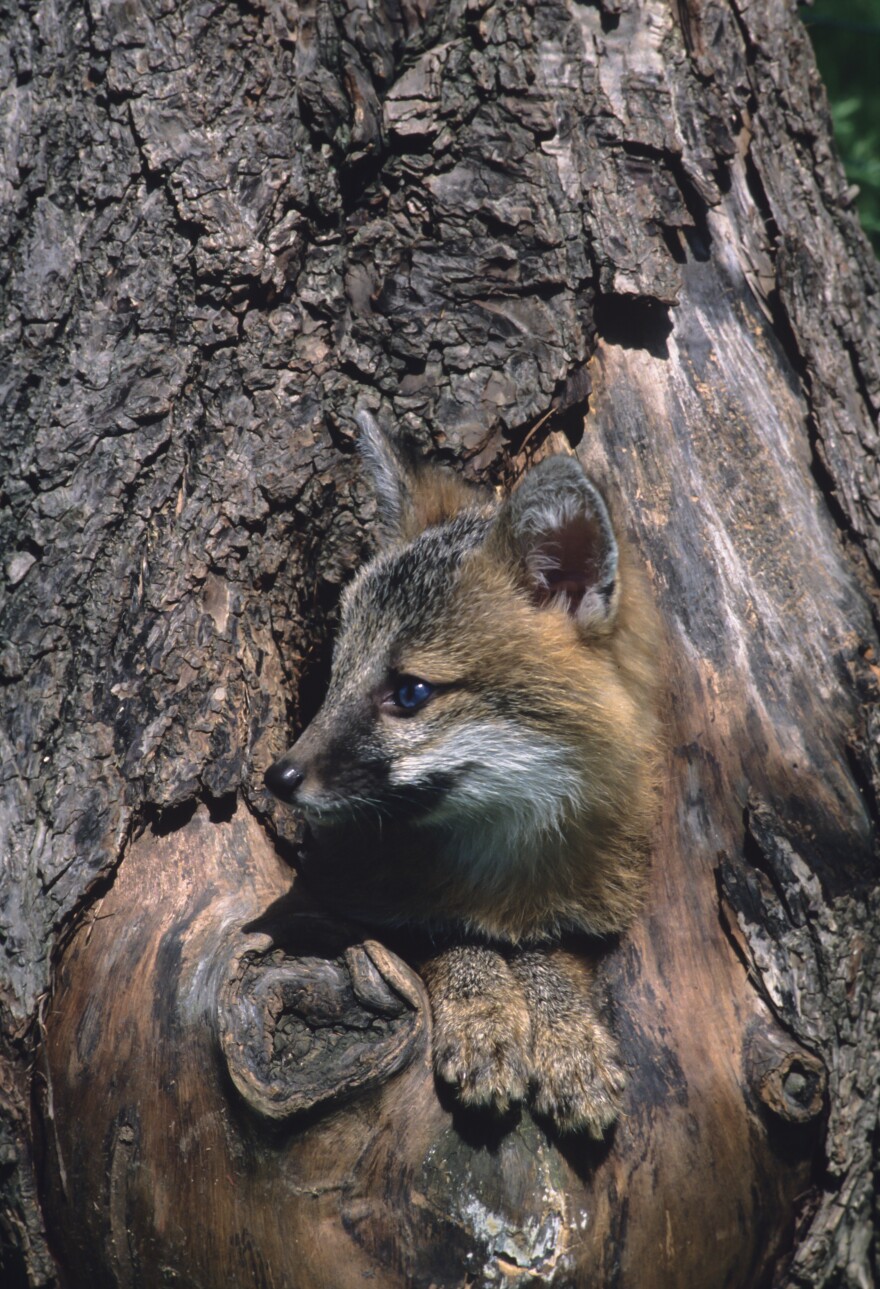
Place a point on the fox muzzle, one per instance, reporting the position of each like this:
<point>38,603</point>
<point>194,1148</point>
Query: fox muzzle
<point>283,779</point>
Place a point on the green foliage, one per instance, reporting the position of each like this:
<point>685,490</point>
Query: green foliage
<point>846,38</point>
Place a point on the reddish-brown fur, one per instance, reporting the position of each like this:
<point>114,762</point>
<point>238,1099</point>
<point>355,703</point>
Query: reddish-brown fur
<point>601,695</point>
<point>543,655</point>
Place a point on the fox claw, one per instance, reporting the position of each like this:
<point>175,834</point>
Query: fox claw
<point>578,1086</point>
<point>493,1077</point>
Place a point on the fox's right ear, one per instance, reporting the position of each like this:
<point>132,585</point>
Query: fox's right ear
<point>393,477</point>
<point>410,495</point>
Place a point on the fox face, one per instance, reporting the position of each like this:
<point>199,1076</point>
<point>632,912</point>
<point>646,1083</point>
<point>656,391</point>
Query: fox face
<point>485,753</point>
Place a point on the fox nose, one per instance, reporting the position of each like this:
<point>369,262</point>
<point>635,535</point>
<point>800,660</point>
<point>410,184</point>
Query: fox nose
<point>282,779</point>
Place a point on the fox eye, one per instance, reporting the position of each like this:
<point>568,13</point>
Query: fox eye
<point>411,693</point>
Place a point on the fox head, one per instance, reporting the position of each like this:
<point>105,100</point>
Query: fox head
<point>485,754</point>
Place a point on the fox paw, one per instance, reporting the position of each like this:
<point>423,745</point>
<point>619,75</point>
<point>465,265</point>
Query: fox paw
<point>482,1058</point>
<point>578,1084</point>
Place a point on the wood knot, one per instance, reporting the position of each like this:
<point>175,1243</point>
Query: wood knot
<point>789,1080</point>
<point>297,1032</point>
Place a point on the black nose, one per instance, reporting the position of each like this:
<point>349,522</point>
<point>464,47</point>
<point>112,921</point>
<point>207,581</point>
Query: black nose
<point>282,779</point>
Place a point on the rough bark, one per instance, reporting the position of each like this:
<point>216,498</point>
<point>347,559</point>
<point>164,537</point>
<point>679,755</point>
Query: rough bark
<point>226,227</point>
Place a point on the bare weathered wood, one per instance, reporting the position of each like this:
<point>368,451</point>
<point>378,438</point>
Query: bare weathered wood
<point>299,1030</point>
<point>788,1080</point>
<point>143,1130</point>
<point>493,223</point>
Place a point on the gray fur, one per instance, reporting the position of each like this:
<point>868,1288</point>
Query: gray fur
<point>390,474</point>
<point>501,804</point>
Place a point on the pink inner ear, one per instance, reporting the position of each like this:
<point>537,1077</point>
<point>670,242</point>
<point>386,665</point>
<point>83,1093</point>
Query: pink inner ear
<point>565,583</point>
<point>569,561</point>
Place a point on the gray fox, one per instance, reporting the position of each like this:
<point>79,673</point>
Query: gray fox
<point>484,766</point>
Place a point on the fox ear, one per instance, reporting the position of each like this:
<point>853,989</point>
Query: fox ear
<point>411,496</point>
<point>393,477</point>
<point>557,527</point>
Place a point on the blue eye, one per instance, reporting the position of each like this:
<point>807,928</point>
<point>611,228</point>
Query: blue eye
<point>412,692</point>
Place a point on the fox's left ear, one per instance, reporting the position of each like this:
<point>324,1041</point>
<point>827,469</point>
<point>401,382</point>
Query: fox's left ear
<point>557,527</point>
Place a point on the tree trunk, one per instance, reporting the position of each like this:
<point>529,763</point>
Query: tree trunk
<point>501,226</point>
